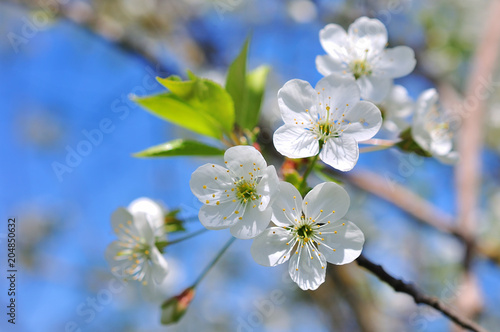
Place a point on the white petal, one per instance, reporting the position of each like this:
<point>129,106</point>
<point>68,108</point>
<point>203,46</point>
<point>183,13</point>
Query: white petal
<point>395,62</point>
<point>290,200</point>
<point>397,107</point>
<point>154,210</point>
<point>120,218</point>
<point>294,98</point>
<point>118,262</point>
<point>159,266</point>
<point>268,187</point>
<point>270,248</point>
<point>253,223</point>
<point>374,88</point>
<point>326,65</point>
<point>365,120</point>
<point>150,289</point>
<point>369,32</point>
<point>306,272</point>
<point>339,92</point>
<point>449,159</point>
<point>323,200</point>
<point>212,216</point>
<point>341,153</point>
<point>125,225</point>
<point>333,38</point>
<point>441,147</point>
<point>209,180</point>
<point>243,160</point>
<point>347,242</point>
<point>295,142</point>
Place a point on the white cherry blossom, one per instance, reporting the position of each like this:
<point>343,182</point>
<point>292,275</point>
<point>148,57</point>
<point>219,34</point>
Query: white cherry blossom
<point>329,119</point>
<point>397,107</point>
<point>144,207</point>
<point>360,53</point>
<point>309,233</point>
<point>431,128</point>
<point>134,256</point>
<point>237,196</point>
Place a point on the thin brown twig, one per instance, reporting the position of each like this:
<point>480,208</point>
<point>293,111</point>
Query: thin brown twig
<point>416,206</point>
<point>403,287</point>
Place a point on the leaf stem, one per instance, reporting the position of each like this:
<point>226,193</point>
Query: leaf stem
<point>214,261</point>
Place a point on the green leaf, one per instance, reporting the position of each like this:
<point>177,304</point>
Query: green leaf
<point>183,89</point>
<point>246,89</point>
<point>236,81</point>
<point>255,86</point>
<point>180,147</point>
<point>204,96</point>
<point>176,110</point>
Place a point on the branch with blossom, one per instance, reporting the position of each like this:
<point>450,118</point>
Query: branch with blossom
<point>288,221</point>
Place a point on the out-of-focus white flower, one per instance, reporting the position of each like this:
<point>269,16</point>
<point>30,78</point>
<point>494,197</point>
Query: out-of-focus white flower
<point>147,208</point>
<point>431,128</point>
<point>397,107</point>
<point>237,197</point>
<point>360,53</point>
<point>329,119</point>
<point>309,233</point>
<point>134,255</point>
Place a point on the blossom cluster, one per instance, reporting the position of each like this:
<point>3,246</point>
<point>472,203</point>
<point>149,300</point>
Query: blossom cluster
<point>347,106</point>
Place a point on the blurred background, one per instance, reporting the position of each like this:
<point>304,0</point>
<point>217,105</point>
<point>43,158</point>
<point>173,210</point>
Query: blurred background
<point>67,68</point>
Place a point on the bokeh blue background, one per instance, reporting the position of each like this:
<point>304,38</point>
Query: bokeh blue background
<point>66,80</point>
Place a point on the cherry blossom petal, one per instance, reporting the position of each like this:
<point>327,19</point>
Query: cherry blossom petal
<point>371,33</point>
<point>327,65</point>
<point>295,142</point>
<point>364,121</point>
<point>307,268</point>
<point>294,98</point>
<point>159,266</point>
<point>253,223</point>
<point>343,236</point>
<point>341,153</point>
<point>326,202</point>
<point>288,205</point>
<point>268,187</point>
<point>395,62</point>
<point>270,248</point>
<point>126,226</point>
<point>209,180</point>
<point>146,206</point>
<point>244,161</point>
<point>374,88</point>
<point>220,216</point>
<point>338,92</point>
<point>333,39</point>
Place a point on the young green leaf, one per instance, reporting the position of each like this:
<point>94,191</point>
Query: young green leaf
<point>255,86</point>
<point>180,147</point>
<point>236,81</point>
<point>246,89</point>
<point>205,96</point>
<point>176,110</point>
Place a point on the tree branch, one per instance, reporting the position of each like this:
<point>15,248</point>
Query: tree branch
<point>400,286</point>
<point>416,206</point>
